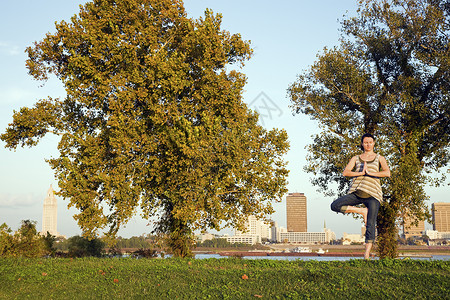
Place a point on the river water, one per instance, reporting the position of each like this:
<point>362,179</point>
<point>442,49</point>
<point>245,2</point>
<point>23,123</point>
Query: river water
<point>317,258</point>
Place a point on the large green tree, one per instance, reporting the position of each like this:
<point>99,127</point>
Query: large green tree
<point>389,76</point>
<point>152,120</point>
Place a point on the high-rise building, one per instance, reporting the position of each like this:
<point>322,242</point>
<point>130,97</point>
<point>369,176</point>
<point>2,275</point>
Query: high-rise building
<point>274,231</point>
<point>412,230</point>
<point>50,213</point>
<point>296,212</point>
<point>255,227</point>
<point>441,216</point>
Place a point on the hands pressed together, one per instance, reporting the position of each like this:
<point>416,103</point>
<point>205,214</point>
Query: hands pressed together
<point>365,170</point>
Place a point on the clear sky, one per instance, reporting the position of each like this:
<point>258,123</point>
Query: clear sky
<point>286,37</point>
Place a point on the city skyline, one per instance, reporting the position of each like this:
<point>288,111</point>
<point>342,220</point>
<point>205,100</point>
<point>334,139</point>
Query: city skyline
<point>296,209</point>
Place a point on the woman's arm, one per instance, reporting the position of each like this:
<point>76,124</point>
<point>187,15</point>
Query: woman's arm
<point>348,171</point>
<point>385,172</point>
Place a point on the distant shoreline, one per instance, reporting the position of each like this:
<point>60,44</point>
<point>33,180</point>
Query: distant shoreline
<point>330,251</point>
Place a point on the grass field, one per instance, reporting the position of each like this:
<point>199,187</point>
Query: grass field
<point>126,278</point>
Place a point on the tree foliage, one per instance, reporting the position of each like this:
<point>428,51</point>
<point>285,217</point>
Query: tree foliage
<point>6,239</point>
<point>390,76</point>
<point>25,242</point>
<point>152,120</point>
<point>49,244</point>
<point>134,242</point>
<point>79,246</point>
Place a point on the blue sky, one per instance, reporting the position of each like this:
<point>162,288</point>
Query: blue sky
<point>286,37</point>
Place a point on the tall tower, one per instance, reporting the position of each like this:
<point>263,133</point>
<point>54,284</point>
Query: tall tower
<point>441,216</point>
<point>50,213</point>
<point>296,212</point>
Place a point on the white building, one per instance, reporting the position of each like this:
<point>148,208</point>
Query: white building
<point>253,228</point>
<point>50,214</point>
<point>280,230</point>
<point>436,235</point>
<point>432,234</point>
<point>244,239</point>
<point>330,235</point>
<point>275,232</point>
<point>347,239</point>
<point>307,237</point>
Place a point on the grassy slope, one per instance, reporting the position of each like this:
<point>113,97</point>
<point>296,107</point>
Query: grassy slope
<point>222,279</point>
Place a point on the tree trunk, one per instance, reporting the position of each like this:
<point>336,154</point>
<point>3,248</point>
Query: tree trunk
<point>179,238</point>
<point>175,233</point>
<point>387,246</point>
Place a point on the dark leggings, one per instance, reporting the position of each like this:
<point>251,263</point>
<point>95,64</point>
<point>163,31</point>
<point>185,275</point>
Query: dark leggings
<point>372,204</point>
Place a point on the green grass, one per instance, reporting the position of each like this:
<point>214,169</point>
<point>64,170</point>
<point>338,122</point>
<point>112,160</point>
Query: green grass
<point>94,278</point>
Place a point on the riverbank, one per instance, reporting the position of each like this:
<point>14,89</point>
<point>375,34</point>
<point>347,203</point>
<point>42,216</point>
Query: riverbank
<point>287,254</point>
<point>326,251</point>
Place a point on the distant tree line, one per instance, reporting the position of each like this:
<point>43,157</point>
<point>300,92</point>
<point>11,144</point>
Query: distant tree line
<point>28,242</point>
<point>136,242</point>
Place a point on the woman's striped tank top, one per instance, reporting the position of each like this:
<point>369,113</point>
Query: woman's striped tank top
<point>368,184</point>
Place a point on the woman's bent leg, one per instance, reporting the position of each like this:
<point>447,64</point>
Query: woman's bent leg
<point>341,204</point>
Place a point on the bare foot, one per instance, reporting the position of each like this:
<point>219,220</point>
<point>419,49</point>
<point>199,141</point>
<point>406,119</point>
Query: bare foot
<point>368,247</point>
<point>359,210</point>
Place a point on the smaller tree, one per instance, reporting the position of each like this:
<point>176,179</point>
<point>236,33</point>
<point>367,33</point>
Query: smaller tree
<point>6,240</point>
<point>25,242</point>
<point>215,243</point>
<point>81,247</point>
<point>49,243</point>
<point>61,245</point>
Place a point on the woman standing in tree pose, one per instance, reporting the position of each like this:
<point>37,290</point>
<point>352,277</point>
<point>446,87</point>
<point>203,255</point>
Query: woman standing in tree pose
<point>365,188</point>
